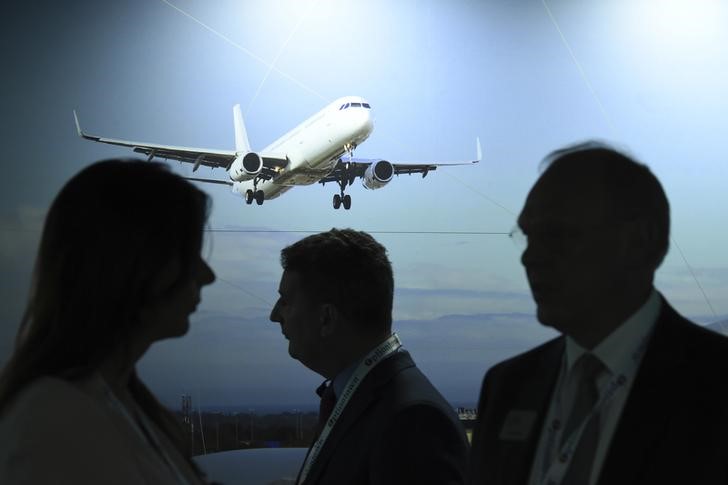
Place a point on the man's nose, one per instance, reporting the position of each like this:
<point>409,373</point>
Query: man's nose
<point>274,314</point>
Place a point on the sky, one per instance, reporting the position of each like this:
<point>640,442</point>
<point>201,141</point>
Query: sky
<point>526,77</point>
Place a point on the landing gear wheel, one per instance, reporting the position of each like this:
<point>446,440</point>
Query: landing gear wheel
<point>337,201</point>
<point>249,197</point>
<point>259,197</point>
<point>347,202</point>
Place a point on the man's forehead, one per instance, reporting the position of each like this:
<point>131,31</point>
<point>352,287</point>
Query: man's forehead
<point>289,280</point>
<point>565,199</point>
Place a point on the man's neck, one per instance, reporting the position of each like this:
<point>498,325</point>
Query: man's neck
<point>599,327</point>
<point>352,352</point>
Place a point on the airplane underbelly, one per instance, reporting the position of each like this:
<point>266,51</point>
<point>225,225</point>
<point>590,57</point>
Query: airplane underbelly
<point>313,157</point>
<point>303,176</point>
<point>312,168</point>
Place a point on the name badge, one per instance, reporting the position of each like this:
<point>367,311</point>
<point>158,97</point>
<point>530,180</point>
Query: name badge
<point>518,425</point>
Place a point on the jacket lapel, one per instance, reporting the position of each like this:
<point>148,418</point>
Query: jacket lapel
<point>534,394</point>
<point>366,394</point>
<point>647,412</point>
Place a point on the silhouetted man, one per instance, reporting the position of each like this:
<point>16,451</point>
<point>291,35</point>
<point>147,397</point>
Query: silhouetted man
<point>631,393</point>
<point>381,420</point>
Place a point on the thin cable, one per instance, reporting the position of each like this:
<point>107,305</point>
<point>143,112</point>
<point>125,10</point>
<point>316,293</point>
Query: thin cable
<point>315,231</point>
<point>309,231</point>
<point>589,86</point>
<point>478,192</point>
<point>245,291</point>
<point>692,273</point>
<point>271,67</point>
<point>283,47</point>
<point>608,119</point>
<point>246,51</point>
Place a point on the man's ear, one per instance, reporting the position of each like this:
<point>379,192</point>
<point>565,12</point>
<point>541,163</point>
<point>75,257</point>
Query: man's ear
<point>328,319</point>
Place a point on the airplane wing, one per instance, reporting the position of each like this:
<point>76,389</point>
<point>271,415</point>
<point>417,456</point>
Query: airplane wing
<point>197,156</point>
<point>349,169</point>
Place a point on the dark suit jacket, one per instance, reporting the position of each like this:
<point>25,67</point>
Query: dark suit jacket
<point>673,428</point>
<point>396,429</point>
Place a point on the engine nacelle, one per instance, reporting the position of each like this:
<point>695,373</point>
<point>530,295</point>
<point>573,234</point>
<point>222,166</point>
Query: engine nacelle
<point>246,167</point>
<point>377,175</point>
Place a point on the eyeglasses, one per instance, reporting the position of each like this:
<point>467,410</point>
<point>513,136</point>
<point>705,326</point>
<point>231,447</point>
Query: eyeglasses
<point>555,237</point>
<point>519,239</point>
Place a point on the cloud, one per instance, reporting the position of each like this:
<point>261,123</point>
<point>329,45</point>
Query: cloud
<point>423,303</point>
<point>235,360</point>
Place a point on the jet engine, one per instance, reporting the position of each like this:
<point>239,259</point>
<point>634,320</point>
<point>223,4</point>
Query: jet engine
<point>377,175</point>
<point>246,167</point>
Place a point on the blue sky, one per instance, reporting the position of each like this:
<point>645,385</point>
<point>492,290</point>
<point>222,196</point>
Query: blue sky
<point>525,76</point>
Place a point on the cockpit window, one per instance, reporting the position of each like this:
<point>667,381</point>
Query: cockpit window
<point>354,105</point>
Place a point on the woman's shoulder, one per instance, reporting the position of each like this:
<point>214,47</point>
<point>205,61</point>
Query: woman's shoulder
<point>59,431</point>
<point>49,402</point>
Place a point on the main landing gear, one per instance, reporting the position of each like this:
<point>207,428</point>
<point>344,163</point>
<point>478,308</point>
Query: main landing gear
<point>254,195</point>
<point>342,199</point>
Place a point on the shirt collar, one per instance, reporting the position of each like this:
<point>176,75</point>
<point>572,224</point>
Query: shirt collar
<point>618,347</point>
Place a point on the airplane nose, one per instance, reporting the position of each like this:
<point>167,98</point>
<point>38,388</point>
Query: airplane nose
<point>367,124</point>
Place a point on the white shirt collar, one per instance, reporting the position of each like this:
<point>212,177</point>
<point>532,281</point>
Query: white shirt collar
<point>619,346</point>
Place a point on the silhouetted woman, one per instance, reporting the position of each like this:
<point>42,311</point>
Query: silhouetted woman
<point>118,268</point>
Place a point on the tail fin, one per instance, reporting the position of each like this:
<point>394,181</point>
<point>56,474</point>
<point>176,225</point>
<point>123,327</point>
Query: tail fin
<point>241,136</point>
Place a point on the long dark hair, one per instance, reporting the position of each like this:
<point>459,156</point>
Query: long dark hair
<point>112,228</point>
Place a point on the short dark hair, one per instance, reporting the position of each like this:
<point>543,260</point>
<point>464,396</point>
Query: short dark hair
<point>348,269</point>
<point>633,192</point>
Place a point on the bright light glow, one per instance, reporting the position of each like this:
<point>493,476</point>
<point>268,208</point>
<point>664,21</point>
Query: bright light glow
<point>679,26</point>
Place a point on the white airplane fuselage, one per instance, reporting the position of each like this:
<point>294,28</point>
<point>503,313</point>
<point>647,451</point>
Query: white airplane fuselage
<point>315,146</point>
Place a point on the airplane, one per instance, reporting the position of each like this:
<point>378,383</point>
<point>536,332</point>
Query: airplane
<point>312,152</point>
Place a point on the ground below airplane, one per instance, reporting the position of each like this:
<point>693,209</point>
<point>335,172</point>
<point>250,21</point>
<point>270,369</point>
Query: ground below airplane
<point>312,152</point>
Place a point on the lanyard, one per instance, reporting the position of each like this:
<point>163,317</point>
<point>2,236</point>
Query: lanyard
<point>389,346</point>
<point>557,469</point>
<point>145,434</point>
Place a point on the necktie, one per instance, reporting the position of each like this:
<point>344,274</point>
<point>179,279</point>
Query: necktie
<point>587,395</point>
<point>327,404</point>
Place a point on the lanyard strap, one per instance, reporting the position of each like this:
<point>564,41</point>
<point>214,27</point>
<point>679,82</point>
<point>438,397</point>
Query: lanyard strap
<point>558,467</point>
<point>143,428</point>
<point>389,346</point>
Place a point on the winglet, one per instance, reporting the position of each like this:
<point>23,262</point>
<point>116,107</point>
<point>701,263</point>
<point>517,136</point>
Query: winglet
<point>78,125</point>
<point>241,135</point>
<point>480,153</point>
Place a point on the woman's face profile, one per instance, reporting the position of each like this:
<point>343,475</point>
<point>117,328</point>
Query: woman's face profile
<point>172,300</point>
